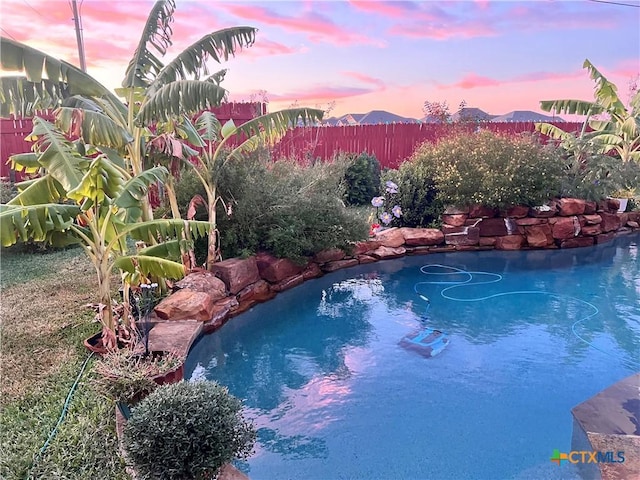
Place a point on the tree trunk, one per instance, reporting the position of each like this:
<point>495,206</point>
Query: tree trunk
<point>187,255</point>
<point>212,244</point>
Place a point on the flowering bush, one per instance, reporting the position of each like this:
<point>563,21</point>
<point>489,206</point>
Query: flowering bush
<point>388,215</point>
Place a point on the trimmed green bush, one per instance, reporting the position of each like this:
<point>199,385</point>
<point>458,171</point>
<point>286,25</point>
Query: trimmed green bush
<point>187,430</point>
<point>362,179</point>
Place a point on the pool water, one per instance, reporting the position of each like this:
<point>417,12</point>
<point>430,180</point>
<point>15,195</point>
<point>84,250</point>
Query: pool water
<point>335,396</point>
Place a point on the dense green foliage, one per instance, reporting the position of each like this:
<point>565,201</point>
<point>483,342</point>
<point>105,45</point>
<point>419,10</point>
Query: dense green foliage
<point>362,179</point>
<point>491,169</point>
<point>282,207</point>
<point>187,430</point>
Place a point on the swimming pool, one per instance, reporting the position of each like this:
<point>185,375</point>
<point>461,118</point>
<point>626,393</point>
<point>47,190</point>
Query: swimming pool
<point>335,396</point>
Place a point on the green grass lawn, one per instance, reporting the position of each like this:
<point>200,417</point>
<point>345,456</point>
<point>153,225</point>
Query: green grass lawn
<point>43,324</point>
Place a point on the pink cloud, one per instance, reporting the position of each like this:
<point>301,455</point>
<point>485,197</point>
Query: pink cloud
<point>365,78</point>
<point>443,31</point>
<point>319,94</point>
<point>318,27</point>
<point>385,8</point>
<point>475,81</point>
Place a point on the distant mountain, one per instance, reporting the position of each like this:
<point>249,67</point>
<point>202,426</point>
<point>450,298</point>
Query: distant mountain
<point>374,117</point>
<point>525,116</point>
<point>471,114</point>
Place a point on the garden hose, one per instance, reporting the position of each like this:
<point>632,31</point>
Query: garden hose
<point>446,270</point>
<point>65,408</point>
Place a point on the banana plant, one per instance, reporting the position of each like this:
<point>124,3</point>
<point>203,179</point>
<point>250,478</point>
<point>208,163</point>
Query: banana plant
<point>88,197</point>
<point>152,91</point>
<point>219,143</point>
<point>619,132</point>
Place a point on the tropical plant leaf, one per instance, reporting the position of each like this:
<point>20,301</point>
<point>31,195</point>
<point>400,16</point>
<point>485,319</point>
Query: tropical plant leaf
<point>218,77</point>
<point>209,128</point>
<point>552,131</point>
<point>169,249</point>
<point>94,127</point>
<point>39,191</point>
<point>178,98</point>
<point>58,155</point>
<point>186,129</point>
<point>43,69</point>
<point>272,126</point>
<point>24,98</point>
<point>228,129</point>
<point>166,229</point>
<point>137,187</point>
<point>144,65</point>
<point>192,61</point>
<point>149,265</point>
<point>571,107</point>
<point>34,222</point>
<point>606,93</point>
<point>102,182</point>
<point>25,162</point>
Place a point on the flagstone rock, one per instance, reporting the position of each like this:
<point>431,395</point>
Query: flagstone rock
<point>524,222</point>
<point>422,236</point>
<point>509,242</point>
<point>203,281</point>
<point>364,247</point>
<point>517,211</point>
<point>493,227</point>
<point>539,235</point>
<point>465,236</point>
<point>275,269</point>
<point>577,242</point>
<point>455,210</point>
<point>289,283</point>
<point>391,237</point>
<point>565,227</point>
<point>591,230</point>
<point>456,220</point>
<point>383,253</point>
<point>340,264</point>
<point>592,219</point>
<point>312,270</point>
<point>186,304</point>
<point>329,255</point>
<point>237,273</point>
<point>610,222</point>
<point>480,211</point>
<point>571,206</point>
<point>590,207</point>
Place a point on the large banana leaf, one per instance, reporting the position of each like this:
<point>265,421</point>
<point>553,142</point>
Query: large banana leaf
<point>272,126</point>
<point>102,182</point>
<point>148,265</point>
<point>208,127</point>
<point>166,229</point>
<point>34,222</point>
<point>58,155</point>
<point>144,66</point>
<point>45,70</point>
<point>177,98</point>
<point>25,98</point>
<point>192,61</point>
<point>39,191</point>
<point>28,163</point>
<point>137,187</point>
<point>552,131</point>
<point>169,249</point>
<point>571,107</point>
<point>94,127</point>
<point>606,93</point>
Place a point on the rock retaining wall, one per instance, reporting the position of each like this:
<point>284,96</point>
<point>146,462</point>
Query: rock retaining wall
<point>236,285</point>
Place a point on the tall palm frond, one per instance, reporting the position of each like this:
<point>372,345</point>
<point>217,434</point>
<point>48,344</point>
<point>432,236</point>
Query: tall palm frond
<point>34,222</point>
<point>144,65</point>
<point>93,127</point>
<point>23,98</point>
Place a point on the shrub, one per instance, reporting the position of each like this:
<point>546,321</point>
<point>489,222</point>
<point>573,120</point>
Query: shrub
<point>362,179</point>
<point>290,210</point>
<point>187,430</point>
<point>491,169</point>
<point>416,194</point>
<point>7,190</point>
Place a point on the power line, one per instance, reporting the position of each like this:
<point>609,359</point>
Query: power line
<point>29,5</point>
<point>12,37</point>
<point>616,3</point>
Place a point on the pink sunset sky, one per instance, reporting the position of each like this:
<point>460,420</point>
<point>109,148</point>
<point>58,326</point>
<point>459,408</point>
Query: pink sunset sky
<point>364,55</point>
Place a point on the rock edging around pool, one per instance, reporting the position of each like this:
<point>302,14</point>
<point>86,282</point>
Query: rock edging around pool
<point>204,300</point>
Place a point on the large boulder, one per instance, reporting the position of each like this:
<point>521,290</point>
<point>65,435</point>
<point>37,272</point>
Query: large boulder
<point>340,264</point>
<point>392,237</point>
<point>517,211</point>
<point>329,255</point>
<point>463,236</point>
<point>610,222</point>
<point>539,235</point>
<point>455,220</point>
<point>274,270</point>
<point>237,273</point>
<point>509,242</point>
<point>186,305</point>
<point>382,253</point>
<point>571,206</point>
<point>422,236</point>
<point>493,227</point>
<point>203,281</point>
<point>565,227</point>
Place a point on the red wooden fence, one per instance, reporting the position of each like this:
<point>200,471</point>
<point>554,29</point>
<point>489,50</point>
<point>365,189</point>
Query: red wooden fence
<point>14,130</point>
<point>391,143</point>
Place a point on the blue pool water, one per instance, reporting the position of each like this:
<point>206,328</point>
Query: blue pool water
<point>334,395</point>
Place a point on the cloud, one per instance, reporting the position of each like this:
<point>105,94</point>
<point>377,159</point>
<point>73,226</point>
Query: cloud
<point>472,80</point>
<point>320,93</point>
<point>365,79</point>
<point>385,8</point>
<point>316,26</point>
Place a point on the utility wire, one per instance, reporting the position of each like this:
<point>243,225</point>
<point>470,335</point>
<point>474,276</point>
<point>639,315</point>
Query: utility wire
<point>12,37</point>
<point>616,3</point>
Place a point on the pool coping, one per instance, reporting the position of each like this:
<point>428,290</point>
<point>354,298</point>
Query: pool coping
<point>179,336</point>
